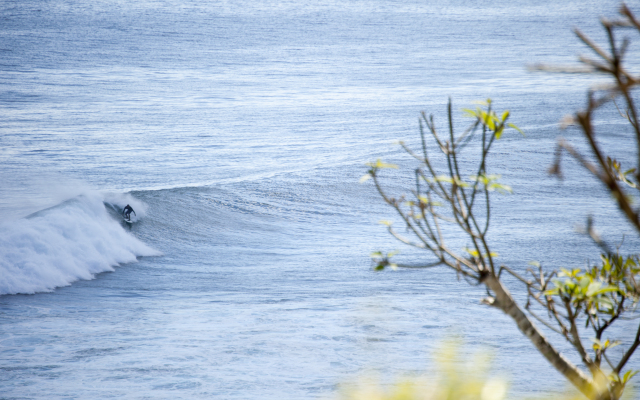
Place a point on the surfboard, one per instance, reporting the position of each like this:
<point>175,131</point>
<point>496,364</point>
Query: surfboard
<point>128,221</point>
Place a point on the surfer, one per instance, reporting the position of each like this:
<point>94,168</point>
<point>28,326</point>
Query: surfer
<point>127,212</point>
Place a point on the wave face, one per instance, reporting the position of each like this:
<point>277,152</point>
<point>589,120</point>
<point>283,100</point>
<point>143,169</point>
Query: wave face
<point>71,241</point>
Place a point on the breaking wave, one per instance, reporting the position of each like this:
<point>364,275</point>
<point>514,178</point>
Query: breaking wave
<point>74,240</point>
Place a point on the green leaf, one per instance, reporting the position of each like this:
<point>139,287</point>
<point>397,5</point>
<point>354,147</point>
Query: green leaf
<point>614,344</point>
<point>443,178</point>
<point>379,164</point>
<point>606,265</point>
<point>604,290</point>
<point>628,375</point>
<point>516,128</point>
<point>630,262</point>
<point>382,165</point>
<point>473,253</point>
<point>597,344</point>
<point>469,113</point>
<point>503,189</point>
<point>564,272</point>
<point>447,179</point>
<point>488,121</point>
<point>592,287</point>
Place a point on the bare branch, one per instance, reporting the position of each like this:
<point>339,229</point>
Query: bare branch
<point>585,39</point>
<point>628,353</point>
<point>545,323</point>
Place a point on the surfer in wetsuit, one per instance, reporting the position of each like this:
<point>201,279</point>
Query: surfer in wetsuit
<point>127,212</point>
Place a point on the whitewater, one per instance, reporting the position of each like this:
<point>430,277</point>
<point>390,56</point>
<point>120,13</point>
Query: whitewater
<point>238,132</point>
<point>73,240</point>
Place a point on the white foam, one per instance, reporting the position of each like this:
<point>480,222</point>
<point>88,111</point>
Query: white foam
<point>73,240</point>
<point>29,191</point>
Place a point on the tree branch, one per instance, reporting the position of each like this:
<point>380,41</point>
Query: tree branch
<point>505,302</point>
<point>628,353</point>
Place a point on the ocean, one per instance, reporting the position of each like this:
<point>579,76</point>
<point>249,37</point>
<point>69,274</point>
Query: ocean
<point>238,131</point>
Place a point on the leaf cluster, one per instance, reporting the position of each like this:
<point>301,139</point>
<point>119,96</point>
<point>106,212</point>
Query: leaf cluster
<point>596,296</point>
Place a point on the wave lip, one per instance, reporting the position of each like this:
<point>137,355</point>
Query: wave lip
<point>58,246</point>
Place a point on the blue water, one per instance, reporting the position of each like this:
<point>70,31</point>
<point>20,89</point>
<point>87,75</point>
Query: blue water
<point>238,132</point>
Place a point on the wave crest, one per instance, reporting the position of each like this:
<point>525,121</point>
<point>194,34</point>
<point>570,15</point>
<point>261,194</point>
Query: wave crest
<point>55,247</point>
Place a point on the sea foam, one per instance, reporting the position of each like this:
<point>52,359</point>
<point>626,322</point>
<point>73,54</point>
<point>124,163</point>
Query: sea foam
<point>57,246</point>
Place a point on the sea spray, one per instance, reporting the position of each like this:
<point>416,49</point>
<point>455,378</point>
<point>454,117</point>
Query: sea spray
<point>57,246</point>
<point>118,201</point>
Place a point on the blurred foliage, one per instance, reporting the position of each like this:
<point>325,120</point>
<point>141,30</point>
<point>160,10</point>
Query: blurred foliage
<point>455,376</point>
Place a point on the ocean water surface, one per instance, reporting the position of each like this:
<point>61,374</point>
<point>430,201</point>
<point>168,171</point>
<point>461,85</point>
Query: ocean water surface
<point>238,131</point>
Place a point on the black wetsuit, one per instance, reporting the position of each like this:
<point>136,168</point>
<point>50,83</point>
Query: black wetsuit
<point>127,212</point>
